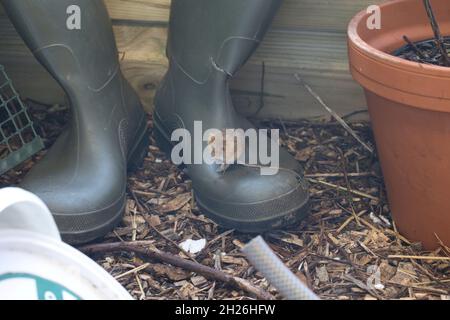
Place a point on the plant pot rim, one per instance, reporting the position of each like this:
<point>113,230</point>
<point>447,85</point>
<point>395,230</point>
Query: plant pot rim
<point>410,83</point>
<point>358,43</point>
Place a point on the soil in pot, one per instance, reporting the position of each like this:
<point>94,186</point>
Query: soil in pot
<point>433,51</point>
<point>423,52</point>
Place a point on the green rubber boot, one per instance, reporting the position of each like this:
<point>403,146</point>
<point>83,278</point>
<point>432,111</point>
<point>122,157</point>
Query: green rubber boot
<point>82,179</point>
<point>209,41</point>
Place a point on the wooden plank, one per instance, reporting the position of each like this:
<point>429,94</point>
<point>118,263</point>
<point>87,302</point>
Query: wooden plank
<point>285,98</point>
<point>144,11</point>
<point>301,50</point>
<point>327,15</point>
<point>317,15</point>
<point>140,43</point>
<point>320,57</point>
<point>321,51</point>
<point>304,50</point>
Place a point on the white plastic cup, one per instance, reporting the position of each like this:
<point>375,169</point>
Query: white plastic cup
<point>22,210</point>
<point>36,265</point>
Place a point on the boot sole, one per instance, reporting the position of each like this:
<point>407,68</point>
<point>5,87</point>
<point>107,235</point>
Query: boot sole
<point>282,220</point>
<point>101,227</point>
<point>250,226</point>
<point>107,219</point>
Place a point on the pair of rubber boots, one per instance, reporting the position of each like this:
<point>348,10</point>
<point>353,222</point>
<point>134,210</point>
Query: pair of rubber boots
<point>83,176</point>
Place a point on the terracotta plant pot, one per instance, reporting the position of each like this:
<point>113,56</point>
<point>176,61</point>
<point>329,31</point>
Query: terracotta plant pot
<point>409,105</point>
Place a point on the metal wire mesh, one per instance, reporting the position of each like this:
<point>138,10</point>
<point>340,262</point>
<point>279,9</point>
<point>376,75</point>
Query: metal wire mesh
<point>18,138</point>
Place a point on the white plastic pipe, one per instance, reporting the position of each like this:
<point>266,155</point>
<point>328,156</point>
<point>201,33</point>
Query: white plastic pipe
<point>264,259</point>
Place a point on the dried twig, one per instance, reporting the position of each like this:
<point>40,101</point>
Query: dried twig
<point>262,93</point>
<point>333,113</point>
<point>151,193</point>
<point>285,131</point>
<point>347,222</point>
<point>361,285</point>
<point>158,255</point>
<point>443,246</point>
<point>358,193</point>
<point>169,240</point>
<point>339,175</point>
<point>419,258</point>
<point>422,55</point>
<point>437,33</point>
<point>147,219</point>
<point>349,187</point>
<point>133,271</point>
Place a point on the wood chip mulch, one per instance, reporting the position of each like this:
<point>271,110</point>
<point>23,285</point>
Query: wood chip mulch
<point>347,249</point>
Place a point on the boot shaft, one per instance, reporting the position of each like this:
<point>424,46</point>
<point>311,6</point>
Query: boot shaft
<point>84,61</point>
<point>209,40</point>
<point>81,59</point>
<point>216,34</point>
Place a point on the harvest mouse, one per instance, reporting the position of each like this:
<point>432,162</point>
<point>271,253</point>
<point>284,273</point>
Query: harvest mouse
<point>233,148</point>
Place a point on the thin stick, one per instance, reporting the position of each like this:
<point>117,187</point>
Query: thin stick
<point>147,219</point>
<point>287,133</point>
<point>141,288</point>
<point>133,271</point>
<point>361,285</point>
<point>263,84</point>
<point>151,193</point>
<point>347,222</point>
<point>349,187</point>
<point>419,258</point>
<point>437,32</point>
<point>331,259</point>
<point>416,49</point>
<point>333,114</point>
<point>165,257</point>
<point>358,193</point>
<point>443,246</point>
<point>438,291</point>
<point>170,240</point>
<point>339,175</point>
<point>432,282</point>
<point>398,236</point>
